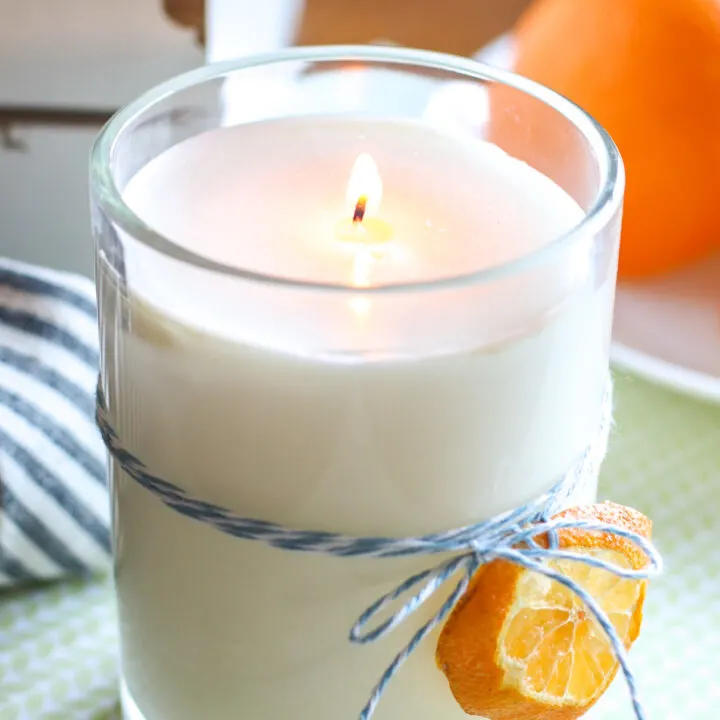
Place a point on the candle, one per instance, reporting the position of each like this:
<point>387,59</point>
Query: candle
<point>361,413</point>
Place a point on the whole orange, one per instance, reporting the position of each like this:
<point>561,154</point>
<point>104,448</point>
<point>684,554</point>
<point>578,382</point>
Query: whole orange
<point>649,72</point>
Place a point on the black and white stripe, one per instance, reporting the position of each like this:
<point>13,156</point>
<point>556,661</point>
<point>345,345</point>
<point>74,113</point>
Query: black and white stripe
<point>54,512</point>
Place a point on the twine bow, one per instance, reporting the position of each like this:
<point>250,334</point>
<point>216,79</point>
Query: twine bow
<point>510,536</point>
<point>517,544</point>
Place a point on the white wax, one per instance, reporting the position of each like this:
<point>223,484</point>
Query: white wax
<point>408,415</point>
<point>268,197</point>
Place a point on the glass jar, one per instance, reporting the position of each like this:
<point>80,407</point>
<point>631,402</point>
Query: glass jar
<point>435,361</point>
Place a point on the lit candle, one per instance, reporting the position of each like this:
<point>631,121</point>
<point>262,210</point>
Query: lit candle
<point>363,196</point>
<point>367,414</point>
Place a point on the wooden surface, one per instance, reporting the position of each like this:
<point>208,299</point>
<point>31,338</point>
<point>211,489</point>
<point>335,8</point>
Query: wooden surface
<point>455,26</point>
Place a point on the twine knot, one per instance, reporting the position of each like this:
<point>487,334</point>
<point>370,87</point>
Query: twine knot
<point>519,545</point>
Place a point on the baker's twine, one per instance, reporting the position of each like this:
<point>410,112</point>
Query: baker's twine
<point>511,536</point>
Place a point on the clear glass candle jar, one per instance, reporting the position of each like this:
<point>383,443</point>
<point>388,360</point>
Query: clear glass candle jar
<point>360,290</point>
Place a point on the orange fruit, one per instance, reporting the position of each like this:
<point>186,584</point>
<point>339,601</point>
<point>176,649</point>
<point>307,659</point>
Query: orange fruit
<point>519,646</point>
<point>649,72</point>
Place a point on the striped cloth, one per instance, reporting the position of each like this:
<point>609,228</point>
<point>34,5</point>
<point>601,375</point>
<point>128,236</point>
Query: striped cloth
<point>54,509</point>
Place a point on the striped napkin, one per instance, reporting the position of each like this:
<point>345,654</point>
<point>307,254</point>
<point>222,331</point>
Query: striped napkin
<point>54,509</point>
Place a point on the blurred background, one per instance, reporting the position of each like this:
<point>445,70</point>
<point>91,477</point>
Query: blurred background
<point>648,70</point>
<point>66,66</point>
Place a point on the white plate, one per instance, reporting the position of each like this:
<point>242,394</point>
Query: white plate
<point>668,330</point>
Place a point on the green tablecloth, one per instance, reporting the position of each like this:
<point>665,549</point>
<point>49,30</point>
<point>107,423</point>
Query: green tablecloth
<point>58,644</point>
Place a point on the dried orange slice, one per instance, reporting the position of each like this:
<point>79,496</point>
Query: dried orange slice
<point>520,646</point>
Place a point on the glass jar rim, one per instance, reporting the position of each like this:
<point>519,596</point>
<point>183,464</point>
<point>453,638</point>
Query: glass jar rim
<point>607,199</point>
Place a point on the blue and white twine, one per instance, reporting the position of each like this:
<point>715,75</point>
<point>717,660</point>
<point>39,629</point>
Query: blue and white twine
<point>511,536</point>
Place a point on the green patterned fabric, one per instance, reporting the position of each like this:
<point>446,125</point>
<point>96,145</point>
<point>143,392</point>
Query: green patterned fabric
<point>58,644</point>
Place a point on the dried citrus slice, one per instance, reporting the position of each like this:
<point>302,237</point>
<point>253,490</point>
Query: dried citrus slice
<point>520,646</point>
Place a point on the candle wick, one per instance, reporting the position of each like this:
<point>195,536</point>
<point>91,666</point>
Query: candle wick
<point>360,208</point>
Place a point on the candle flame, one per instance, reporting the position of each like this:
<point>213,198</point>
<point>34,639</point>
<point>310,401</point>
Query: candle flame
<point>364,190</point>
<point>364,193</point>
